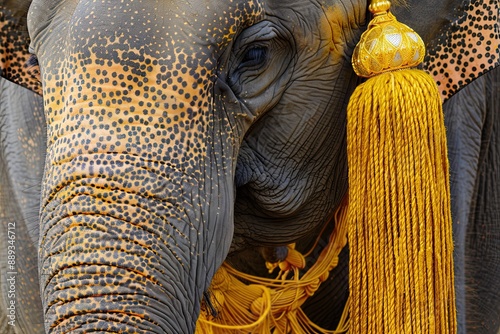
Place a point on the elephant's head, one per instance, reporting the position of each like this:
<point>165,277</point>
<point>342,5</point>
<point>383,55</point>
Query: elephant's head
<point>173,126</point>
<point>147,106</point>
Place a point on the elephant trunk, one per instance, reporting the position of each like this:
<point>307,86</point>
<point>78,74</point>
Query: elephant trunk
<point>114,252</point>
<point>133,226</point>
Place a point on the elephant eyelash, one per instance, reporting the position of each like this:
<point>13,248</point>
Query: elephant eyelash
<point>254,56</point>
<point>250,62</point>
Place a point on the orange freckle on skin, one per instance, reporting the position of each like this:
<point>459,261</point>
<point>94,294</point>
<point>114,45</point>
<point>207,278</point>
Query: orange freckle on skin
<point>336,25</point>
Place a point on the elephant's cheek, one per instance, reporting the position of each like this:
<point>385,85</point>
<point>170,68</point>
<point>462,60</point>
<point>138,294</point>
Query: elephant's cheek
<point>132,209</point>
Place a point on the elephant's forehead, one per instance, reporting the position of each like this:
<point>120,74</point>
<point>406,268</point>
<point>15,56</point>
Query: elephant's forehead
<point>143,68</point>
<point>157,25</point>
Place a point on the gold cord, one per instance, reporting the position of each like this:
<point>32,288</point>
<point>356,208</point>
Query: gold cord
<point>264,305</point>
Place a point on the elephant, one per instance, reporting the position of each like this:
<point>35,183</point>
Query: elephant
<point>176,136</point>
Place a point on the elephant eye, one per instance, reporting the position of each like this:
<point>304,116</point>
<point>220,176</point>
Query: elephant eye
<point>254,56</point>
<point>258,59</point>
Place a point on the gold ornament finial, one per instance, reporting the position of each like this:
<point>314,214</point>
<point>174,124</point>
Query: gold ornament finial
<point>379,7</point>
<point>387,45</point>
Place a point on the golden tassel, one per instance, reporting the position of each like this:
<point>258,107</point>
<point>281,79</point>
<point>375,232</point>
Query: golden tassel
<point>399,221</point>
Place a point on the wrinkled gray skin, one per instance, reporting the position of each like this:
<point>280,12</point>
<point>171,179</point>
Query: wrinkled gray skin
<point>289,174</point>
<point>472,118</point>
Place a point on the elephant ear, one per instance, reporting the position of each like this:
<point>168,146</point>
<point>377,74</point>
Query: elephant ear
<point>16,63</point>
<point>462,39</point>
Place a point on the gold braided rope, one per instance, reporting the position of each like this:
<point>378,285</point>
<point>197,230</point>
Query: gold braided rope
<point>266,305</point>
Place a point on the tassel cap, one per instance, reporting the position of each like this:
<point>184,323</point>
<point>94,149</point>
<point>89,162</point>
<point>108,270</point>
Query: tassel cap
<point>387,45</point>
